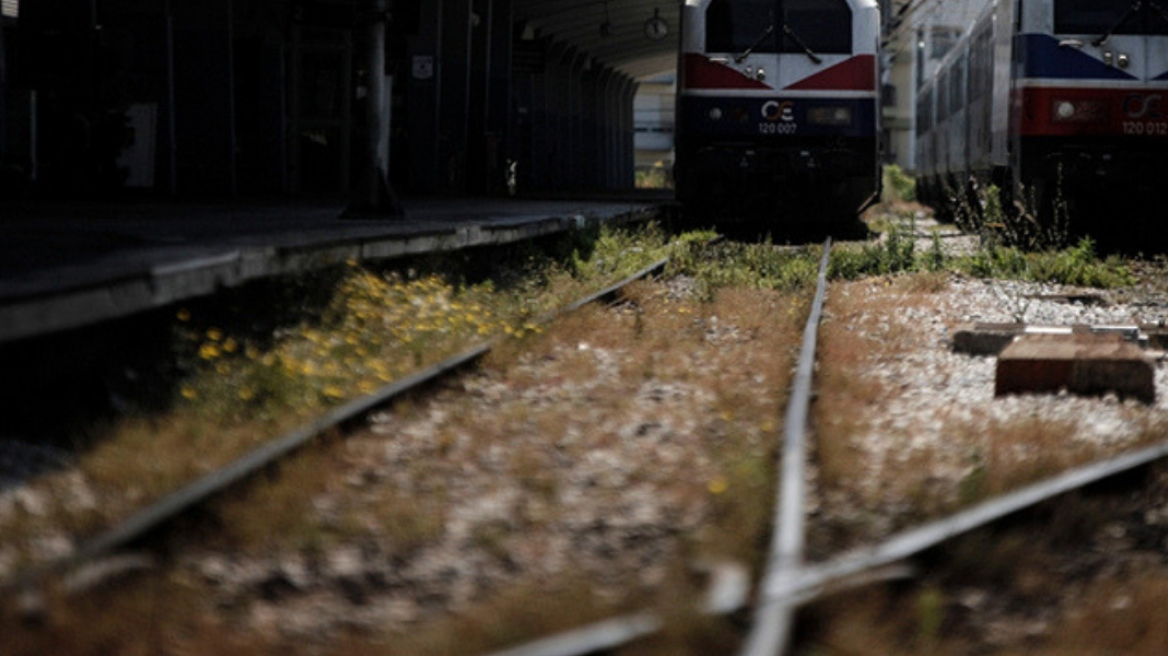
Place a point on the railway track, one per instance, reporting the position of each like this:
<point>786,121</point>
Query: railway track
<point>789,582</point>
<point>182,500</point>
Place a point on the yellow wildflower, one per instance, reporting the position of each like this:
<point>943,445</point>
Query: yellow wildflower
<point>214,334</point>
<point>246,393</point>
<point>183,314</point>
<point>718,485</point>
<point>189,392</point>
<point>209,351</point>
<point>230,345</point>
<point>332,391</point>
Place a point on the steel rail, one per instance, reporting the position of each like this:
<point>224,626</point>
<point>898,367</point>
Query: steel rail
<point>726,593</point>
<point>173,504</point>
<point>816,579</point>
<point>771,627</point>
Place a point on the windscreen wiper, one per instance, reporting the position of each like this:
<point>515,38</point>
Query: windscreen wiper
<point>746,53</point>
<point>1102,38</point>
<point>799,42</point>
<point>1159,10</point>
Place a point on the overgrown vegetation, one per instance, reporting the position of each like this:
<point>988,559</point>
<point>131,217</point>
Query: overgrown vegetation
<point>1013,245</point>
<point>1078,265</point>
<point>898,185</point>
<point>242,387</point>
<point>654,177</point>
<point>685,351</point>
<point>726,264</point>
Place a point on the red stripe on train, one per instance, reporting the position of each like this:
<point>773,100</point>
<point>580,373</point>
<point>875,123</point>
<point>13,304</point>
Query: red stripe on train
<point>1045,111</point>
<point>701,73</point>
<point>855,74</point>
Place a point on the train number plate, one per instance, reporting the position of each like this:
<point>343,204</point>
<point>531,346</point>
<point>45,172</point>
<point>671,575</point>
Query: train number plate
<point>777,128</point>
<point>1146,128</point>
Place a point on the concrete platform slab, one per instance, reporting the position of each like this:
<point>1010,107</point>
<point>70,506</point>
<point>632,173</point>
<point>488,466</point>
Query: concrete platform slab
<point>1081,363</point>
<point>67,265</point>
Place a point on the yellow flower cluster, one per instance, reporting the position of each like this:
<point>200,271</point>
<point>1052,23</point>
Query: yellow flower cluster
<point>376,330</point>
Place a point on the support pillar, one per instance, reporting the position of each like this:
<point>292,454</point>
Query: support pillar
<point>425,98</point>
<point>628,178</point>
<point>612,132</point>
<point>456,65</point>
<point>489,94</point>
<point>557,154</point>
<point>593,88</point>
<point>204,97</point>
<point>499,94</point>
<point>576,110</point>
<point>372,196</point>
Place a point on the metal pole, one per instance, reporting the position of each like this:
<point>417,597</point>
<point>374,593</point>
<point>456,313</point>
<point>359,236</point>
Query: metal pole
<point>170,108</point>
<point>3,93</point>
<point>232,137</point>
<point>372,195</point>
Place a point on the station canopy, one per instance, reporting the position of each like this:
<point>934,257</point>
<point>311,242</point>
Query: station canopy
<point>637,37</point>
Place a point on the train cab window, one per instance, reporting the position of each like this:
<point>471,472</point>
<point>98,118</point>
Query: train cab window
<point>821,26</point>
<point>736,25</point>
<point>1109,17</point>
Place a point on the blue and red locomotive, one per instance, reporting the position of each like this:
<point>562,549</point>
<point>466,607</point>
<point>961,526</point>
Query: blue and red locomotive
<point>778,103</point>
<point>1054,101</point>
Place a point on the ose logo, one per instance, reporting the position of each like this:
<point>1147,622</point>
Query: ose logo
<point>1137,105</point>
<point>773,110</point>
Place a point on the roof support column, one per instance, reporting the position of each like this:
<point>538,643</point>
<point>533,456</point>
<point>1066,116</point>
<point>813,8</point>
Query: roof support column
<point>456,94</point>
<point>554,156</point>
<point>490,94</point>
<point>541,141</point>
<point>593,88</point>
<point>205,96</point>
<point>425,98</point>
<point>615,127</point>
<point>372,195</point>
<point>576,109</point>
<point>628,168</point>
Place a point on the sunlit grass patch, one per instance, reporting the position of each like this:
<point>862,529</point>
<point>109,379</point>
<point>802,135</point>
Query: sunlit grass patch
<point>1077,265</point>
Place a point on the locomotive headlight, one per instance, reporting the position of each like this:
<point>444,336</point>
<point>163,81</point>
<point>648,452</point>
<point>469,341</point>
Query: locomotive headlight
<point>1078,111</point>
<point>829,116</point>
<point>716,114</point>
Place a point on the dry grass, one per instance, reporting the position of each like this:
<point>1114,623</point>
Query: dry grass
<point>980,455</point>
<point>244,389</point>
<point>1045,584</point>
<point>844,397</point>
<point>568,392</point>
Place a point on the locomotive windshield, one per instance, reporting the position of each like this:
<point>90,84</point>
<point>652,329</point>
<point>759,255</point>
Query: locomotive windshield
<point>1106,17</point>
<point>786,26</point>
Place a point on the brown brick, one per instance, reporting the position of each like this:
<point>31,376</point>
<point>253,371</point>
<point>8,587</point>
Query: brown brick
<point>1089,364</point>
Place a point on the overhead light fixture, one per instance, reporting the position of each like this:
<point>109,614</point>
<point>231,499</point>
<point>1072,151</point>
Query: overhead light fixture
<point>656,28</point>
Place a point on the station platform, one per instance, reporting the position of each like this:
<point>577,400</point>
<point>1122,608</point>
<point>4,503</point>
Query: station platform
<point>67,265</point>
